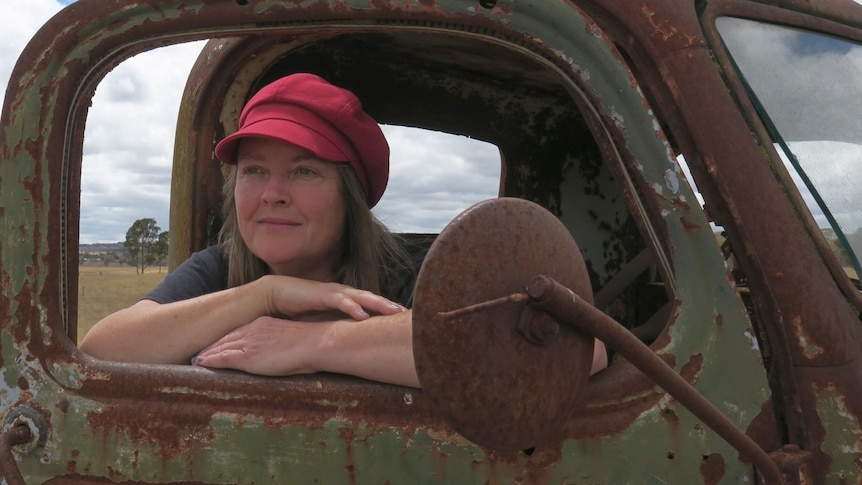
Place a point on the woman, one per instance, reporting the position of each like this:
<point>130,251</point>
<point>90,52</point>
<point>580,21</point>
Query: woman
<point>280,294</point>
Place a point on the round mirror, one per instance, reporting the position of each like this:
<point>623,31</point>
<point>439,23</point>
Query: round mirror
<point>501,372</point>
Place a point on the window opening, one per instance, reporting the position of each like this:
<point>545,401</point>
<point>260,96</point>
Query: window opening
<point>433,177</point>
<point>808,90</point>
<point>126,176</point>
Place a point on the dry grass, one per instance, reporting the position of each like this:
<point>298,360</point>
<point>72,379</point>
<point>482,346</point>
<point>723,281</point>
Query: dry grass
<point>104,290</point>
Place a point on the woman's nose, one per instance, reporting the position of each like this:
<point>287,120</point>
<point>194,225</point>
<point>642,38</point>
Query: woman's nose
<point>277,190</point>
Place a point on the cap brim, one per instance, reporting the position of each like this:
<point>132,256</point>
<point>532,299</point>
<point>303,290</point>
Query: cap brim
<point>316,142</point>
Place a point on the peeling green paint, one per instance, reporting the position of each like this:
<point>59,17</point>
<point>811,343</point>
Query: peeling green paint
<point>843,435</point>
<point>248,449</point>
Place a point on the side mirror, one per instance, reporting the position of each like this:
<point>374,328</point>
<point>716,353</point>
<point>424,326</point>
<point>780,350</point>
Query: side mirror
<point>470,363</point>
<point>504,284</point>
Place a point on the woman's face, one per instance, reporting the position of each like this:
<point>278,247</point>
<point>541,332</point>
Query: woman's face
<point>290,208</point>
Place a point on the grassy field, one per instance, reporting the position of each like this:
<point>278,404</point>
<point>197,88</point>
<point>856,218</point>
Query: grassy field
<point>104,290</point>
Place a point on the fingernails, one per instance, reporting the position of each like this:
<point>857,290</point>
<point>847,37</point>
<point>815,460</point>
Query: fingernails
<point>197,360</point>
<point>363,313</point>
<point>397,306</point>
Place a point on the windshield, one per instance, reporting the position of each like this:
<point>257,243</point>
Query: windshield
<point>808,88</point>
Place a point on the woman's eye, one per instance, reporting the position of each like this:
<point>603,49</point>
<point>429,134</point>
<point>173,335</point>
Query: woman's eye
<point>251,170</point>
<point>305,173</point>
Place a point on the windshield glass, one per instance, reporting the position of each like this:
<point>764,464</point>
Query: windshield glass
<point>808,88</point>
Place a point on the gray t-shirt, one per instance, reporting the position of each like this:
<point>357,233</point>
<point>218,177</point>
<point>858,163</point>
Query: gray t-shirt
<point>206,272</point>
<point>203,273</point>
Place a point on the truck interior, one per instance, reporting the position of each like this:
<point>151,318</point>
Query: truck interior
<point>447,83</point>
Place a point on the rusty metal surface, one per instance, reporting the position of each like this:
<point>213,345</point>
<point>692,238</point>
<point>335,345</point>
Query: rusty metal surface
<point>796,297</point>
<point>116,419</point>
<point>471,365</point>
<point>148,424</point>
<point>817,348</point>
<point>17,435</point>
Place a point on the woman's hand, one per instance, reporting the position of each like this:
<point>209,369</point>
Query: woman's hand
<point>267,346</point>
<point>379,348</point>
<point>293,297</point>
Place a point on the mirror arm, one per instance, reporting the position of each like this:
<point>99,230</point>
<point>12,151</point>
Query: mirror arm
<point>568,308</point>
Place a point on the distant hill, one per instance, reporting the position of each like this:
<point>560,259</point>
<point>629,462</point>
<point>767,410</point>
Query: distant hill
<point>99,248</point>
<point>94,254</point>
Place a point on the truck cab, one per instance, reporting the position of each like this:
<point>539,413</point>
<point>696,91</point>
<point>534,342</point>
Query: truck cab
<point>695,151</point>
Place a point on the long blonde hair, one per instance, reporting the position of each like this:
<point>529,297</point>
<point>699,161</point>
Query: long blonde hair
<point>370,253</point>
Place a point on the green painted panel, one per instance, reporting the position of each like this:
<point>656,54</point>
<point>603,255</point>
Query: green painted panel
<point>666,444</point>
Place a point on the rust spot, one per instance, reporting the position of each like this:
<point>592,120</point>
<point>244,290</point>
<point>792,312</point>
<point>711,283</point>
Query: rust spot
<point>764,426</point>
<point>190,426</point>
<point>542,459</point>
<point>719,321</point>
<point>660,28</point>
<point>347,434</point>
<point>23,384</point>
<point>670,416</point>
<point>692,368</point>
<point>712,468</point>
<point>63,406</point>
<point>114,474</point>
<point>71,466</point>
<point>689,226</point>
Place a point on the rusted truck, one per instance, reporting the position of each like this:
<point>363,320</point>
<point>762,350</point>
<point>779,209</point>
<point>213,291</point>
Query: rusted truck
<point>732,320</point>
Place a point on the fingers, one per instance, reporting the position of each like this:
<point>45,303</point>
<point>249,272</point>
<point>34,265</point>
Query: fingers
<point>359,304</point>
<point>239,354</point>
<point>268,346</point>
<point>223,359</point>
<point>293,296</point>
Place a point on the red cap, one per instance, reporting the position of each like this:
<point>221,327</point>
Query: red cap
<point>305,110</point>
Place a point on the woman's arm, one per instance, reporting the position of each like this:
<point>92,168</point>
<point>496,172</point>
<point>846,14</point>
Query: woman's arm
<point>172,333</point>
<point>379,348</point>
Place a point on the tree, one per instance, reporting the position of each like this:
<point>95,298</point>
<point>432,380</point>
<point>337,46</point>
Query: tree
<point>160,249</point>
<point>837,247</point>
<point>107,259</point>
<point>140,240</point>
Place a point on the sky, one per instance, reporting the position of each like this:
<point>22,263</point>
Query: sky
<point>130,130</point>
<point>128,144</point>
<point>811,85</point>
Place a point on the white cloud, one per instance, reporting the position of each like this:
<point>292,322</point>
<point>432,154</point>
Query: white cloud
<point>130,132</point>
<point>829,167</point>
<point>128,144</point>
<point>434,176</point>
<point>808,82</point>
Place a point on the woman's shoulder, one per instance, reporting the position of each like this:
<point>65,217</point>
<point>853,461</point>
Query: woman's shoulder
<point>210,255</point>
<point>205,271</point>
